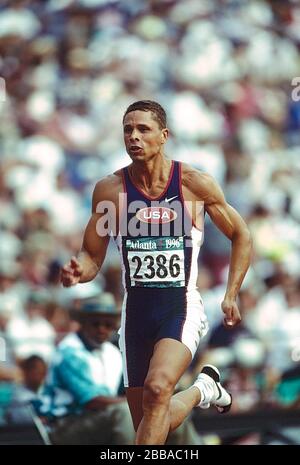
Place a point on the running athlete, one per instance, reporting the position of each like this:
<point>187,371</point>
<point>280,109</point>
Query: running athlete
<point>157,222</point>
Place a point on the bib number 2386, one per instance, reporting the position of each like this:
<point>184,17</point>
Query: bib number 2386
<point>156,262</point>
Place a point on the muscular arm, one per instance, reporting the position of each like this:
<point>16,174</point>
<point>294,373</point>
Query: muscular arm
<point>93,251</point>
<point>87,264</point>
<point>233,226</point>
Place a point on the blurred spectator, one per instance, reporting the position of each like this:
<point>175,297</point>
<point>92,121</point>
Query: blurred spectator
<point>287,390</point>
<point>6,350</point>
<point>286,394</point>
<point>80,398</point>
<point>31,333</point>
<point>34,370</point>
<point>113,283</point>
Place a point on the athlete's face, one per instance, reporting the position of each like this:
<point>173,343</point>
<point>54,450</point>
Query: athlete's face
<point>142,135</point>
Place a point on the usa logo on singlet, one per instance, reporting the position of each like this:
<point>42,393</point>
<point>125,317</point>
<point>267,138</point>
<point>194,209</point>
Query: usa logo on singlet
<point>156,215</point>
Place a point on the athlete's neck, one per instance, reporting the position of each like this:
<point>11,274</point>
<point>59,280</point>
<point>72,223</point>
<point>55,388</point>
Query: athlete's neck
<point>148,174</point>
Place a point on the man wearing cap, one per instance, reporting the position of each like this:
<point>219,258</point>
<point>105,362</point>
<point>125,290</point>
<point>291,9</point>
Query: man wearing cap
<point>80,401</point>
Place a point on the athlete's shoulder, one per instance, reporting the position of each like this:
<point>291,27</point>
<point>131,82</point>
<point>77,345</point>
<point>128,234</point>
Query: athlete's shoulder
<point>108,186</point>
<point>111,181</point>
<point>193,178</point>
<point>200,184</point>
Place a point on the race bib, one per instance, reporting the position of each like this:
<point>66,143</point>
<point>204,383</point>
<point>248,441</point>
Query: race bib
<point>156,261</point>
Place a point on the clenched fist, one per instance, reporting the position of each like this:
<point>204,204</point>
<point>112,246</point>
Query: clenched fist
<point>232,314</point>
<point>71,273</point>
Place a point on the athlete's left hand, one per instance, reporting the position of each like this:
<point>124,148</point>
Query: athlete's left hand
<point>232,314</point>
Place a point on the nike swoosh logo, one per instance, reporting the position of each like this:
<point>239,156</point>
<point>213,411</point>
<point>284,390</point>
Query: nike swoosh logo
<point>172,198</point>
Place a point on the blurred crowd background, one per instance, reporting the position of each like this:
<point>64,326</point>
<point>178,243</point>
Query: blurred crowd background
<point>223,70</point>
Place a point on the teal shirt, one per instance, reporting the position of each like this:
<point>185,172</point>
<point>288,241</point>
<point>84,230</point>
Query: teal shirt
<point>77,375</point>
<point>288,391</point>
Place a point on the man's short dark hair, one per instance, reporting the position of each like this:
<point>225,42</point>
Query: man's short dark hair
<point>30,362</point>
<point>149,105</point>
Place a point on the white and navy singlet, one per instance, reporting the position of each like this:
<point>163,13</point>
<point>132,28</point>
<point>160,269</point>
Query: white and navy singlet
<point>159,255</point>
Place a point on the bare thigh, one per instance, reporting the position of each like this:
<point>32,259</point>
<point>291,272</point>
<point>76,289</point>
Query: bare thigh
<point>170,359</point>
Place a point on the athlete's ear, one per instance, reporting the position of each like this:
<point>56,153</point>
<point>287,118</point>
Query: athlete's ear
<point>164,135</point>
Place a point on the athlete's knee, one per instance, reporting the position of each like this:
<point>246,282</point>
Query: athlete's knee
<point>158,389</point>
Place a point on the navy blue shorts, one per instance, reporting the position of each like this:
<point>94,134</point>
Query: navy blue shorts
<point>149,315</point>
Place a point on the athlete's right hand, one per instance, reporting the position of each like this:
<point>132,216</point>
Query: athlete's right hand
<point>71,273</point>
